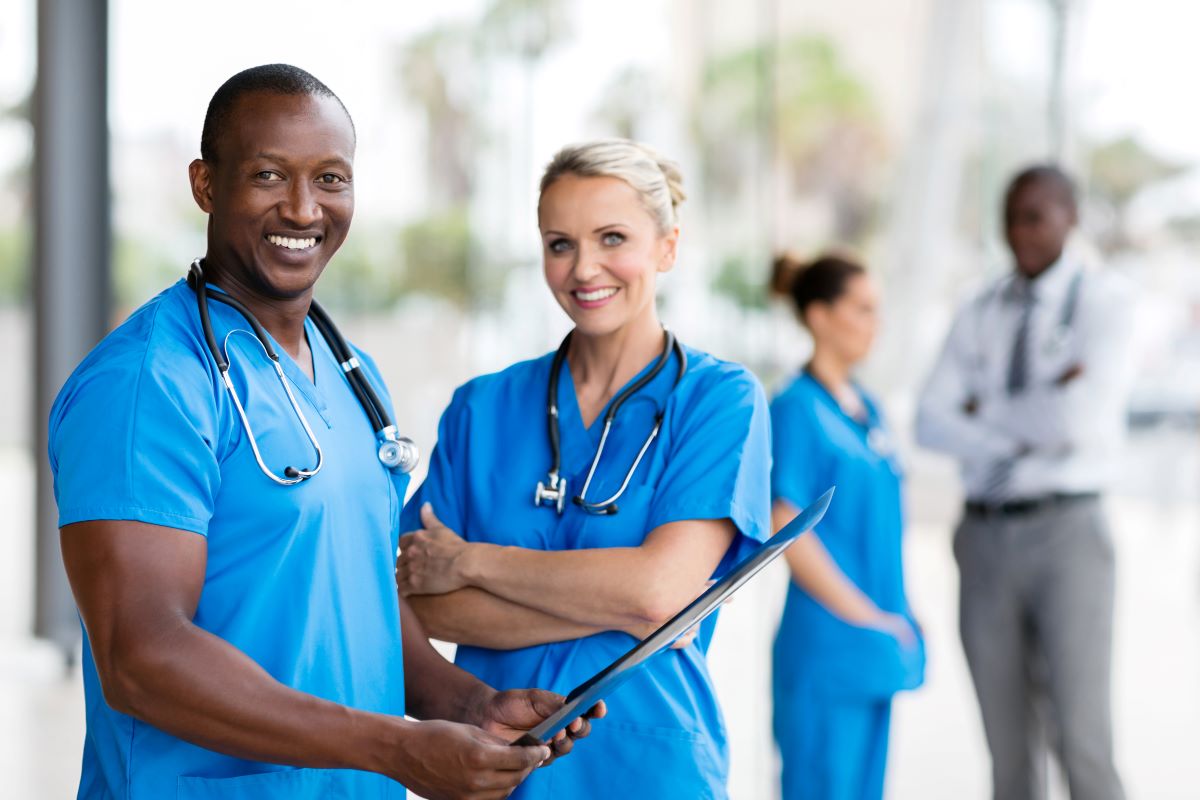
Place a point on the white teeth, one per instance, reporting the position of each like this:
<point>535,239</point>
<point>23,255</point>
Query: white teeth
<point>595,294</point>
<point>290,243</point>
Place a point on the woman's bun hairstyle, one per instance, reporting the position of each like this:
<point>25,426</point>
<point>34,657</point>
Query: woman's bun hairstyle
<point>822,280</point>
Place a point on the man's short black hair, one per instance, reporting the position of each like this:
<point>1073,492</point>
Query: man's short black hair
<point>1050,174</point>
<point>272,78</point>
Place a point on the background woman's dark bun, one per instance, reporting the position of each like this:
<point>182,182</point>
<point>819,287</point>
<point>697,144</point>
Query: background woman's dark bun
<point>822,280</point>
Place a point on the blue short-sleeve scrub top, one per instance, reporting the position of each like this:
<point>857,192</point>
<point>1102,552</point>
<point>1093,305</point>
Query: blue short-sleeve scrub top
<point>664,736</point>
<point>300,578</point>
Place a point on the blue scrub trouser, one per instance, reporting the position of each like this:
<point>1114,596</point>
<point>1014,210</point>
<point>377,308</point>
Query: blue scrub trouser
<point>832,748</point>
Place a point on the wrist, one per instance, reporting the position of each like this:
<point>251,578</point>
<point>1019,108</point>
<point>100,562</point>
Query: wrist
<point>867,616</point>
<point>473,563</point>
<point>375,741</point>
<point>475,702</point>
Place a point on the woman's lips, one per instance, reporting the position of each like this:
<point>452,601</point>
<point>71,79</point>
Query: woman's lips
<point>593,297</point>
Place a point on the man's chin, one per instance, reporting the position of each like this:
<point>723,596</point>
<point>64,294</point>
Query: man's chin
<point>1032,271</point>
<point>290,283</point>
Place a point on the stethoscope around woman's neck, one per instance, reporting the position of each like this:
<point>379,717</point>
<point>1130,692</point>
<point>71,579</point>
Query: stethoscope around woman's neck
<point>394,451</point>
<point>864,416</point>
<point>554,490</point>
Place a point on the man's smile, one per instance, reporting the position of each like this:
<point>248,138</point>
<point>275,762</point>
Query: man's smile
<point>293,242</point>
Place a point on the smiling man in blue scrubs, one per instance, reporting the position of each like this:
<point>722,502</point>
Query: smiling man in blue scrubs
<point>244,639</point>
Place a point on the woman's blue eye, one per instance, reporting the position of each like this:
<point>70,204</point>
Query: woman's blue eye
<point>612,239</point>
<point>559,246</point>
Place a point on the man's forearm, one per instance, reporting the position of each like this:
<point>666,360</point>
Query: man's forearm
<point>963,434</point>
<point>435,688</point>
<point>200,688</point>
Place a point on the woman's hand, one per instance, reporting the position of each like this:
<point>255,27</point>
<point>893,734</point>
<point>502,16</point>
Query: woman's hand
<point>897,626</point>
<point>644,629</point>
<point>431,559</point>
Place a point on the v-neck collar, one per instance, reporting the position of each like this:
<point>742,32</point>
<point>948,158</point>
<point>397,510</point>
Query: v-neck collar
<point>863,425</point>
<point>570,415</point>
<point>291,370</point>
<point>318,349</point>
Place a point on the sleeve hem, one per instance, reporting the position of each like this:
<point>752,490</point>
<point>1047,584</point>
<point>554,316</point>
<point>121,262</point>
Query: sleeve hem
<point>791,497</point>
<point>150,516</point>
<point>743,521</point>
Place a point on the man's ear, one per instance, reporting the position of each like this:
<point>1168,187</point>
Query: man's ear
<point>200,177</point>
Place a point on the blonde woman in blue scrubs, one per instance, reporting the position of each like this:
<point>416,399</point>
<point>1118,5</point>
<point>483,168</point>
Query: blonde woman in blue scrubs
<point>847,641</point>
<point>535,590</point>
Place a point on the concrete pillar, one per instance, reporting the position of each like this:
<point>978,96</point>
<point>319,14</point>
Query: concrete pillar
<point>72,251</point>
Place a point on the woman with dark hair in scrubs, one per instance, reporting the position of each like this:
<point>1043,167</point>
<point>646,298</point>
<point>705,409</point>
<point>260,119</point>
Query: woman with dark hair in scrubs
<point>537,580</point>
<point>847,641</point>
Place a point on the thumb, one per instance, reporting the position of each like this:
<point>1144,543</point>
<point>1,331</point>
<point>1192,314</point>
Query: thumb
<point>428,519</point>
<point>544,703</point>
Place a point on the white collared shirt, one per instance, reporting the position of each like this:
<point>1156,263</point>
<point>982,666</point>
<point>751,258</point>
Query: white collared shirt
<point>1064,438</point>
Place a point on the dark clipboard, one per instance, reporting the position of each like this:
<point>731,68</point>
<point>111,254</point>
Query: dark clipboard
<point>604,682</point>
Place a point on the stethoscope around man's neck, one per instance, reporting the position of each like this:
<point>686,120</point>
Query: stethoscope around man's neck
<point>554,490</point>
<point>1059,336</point>
<point>394,452</point>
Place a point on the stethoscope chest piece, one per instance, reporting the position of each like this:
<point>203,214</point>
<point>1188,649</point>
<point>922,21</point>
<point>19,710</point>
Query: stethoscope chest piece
<point>1058,342</point>
<point>398,452</point>
<point>880,442</point>
<point>555,493</point>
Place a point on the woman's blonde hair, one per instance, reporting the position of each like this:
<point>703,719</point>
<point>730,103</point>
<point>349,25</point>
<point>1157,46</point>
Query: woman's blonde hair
<point>656,179</point>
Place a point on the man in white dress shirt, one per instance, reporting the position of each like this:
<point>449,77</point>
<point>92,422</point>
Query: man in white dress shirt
<point>1029,395</point>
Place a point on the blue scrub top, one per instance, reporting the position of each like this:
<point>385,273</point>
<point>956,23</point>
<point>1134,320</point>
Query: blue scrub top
<point>816,444</point>
<point>664,736</point>
<point>299,578</point>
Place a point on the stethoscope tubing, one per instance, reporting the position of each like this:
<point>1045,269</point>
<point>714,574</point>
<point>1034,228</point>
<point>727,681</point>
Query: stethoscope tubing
<point>376,412</point>
<point>394,451</point>
<point>557,485</point>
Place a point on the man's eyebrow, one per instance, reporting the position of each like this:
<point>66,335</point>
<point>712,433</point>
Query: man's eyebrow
<point>282,159</point>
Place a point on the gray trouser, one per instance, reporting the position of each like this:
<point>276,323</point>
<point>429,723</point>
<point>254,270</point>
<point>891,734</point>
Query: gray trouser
<point>1035,615</point>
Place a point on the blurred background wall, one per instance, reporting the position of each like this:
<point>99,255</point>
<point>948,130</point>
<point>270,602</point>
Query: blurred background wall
<point>886,127</point>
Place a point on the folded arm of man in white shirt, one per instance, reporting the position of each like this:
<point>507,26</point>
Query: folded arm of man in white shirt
<point>947,418</point>
<point>1052,418</point>
<point>1085,401</point>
